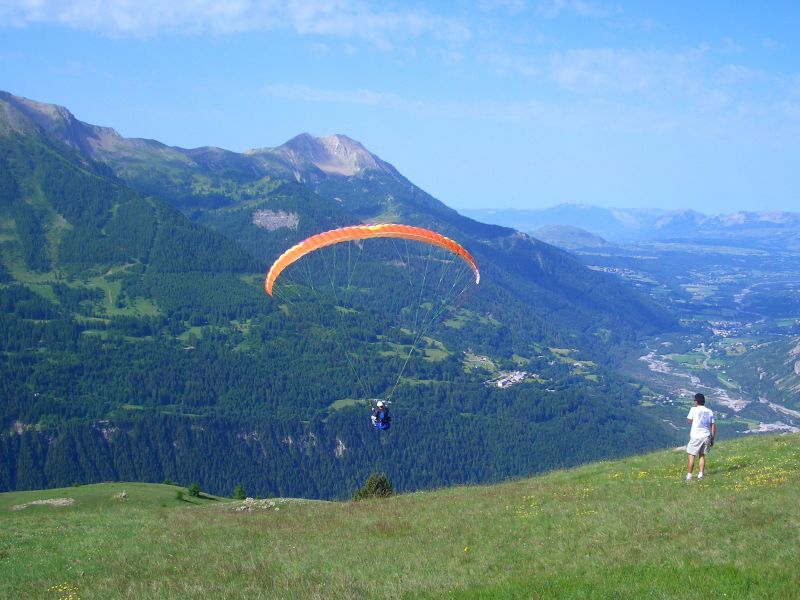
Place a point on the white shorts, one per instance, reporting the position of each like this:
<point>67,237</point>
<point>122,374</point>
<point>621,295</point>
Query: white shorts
<point>697,446</point>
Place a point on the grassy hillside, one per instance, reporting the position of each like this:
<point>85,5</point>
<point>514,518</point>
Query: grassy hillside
<point>629,528</point>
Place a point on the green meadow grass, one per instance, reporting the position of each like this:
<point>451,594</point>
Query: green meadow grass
<point>345,403</point>
<point>625,529</point>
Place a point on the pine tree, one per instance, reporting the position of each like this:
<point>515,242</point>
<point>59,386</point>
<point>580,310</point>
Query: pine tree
<point>377,486</point>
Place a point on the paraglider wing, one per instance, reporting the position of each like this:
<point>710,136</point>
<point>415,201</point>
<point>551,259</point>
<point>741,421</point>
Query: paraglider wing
<point>360,232</point>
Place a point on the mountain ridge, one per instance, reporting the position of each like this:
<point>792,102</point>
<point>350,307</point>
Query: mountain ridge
<point>335,154</point>
<point>625,225</point>
<point>376,193</point>
<point>133,317</point>
<point>332,155</point>
<point>338,155</point>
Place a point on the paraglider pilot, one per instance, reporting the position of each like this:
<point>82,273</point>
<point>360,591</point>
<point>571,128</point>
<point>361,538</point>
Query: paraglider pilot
<point>380,416</point>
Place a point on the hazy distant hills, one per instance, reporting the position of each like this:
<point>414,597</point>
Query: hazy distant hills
<point>627,225</point>
<point>732,279</point>
<point>568,237</point>
<point>336,163</point>
<point>138,343</point>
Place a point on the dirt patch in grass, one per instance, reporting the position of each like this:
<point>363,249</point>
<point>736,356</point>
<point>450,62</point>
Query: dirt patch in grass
<point>50,502</point>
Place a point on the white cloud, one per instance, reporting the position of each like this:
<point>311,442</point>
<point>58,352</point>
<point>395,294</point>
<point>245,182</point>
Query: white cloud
<point>622,71</point>
<point>345,19</point>
<point>729,46</point>
<point>512,7</point>
<point>11,57</point>
<point>575,115</point>
<point>731,75</point>
<point>791,110</point>
<point>582,8</point>
<point>363,97</point>
<point>121,17</point>
<point>689,83</point>
<point>74,68</point>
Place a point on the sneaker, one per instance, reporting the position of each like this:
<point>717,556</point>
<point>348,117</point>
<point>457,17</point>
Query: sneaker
<point>700,475</point>
<point>688,477</point>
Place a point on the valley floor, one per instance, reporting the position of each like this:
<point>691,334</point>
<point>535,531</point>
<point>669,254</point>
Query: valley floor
<point>706,369</point>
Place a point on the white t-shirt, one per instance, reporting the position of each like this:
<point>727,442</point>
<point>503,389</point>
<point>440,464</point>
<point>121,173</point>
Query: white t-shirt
<point>701,418</point>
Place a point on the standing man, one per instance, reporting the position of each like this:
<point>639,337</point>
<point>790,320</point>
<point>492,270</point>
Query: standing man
<point>701,438</point>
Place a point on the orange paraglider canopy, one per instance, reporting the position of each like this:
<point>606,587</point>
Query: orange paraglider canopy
<point>361,232</point>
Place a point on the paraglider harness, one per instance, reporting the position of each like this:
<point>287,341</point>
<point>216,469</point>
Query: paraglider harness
<point>381,419</point>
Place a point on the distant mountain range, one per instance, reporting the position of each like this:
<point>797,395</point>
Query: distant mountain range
<point>626,225</point>
<point>304,158</point>
<point>224,190</point>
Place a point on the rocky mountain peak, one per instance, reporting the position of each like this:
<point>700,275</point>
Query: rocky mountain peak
<point>49,117</point>
<point>679,218</point>
<point>61,123</point>
<point>333,154</point>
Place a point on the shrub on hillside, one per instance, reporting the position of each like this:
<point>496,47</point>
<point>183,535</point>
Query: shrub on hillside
<point>377,486</point>
<point>239,493</point>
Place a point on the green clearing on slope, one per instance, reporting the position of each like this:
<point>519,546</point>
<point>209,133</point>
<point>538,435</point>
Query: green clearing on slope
<point>623,529</point>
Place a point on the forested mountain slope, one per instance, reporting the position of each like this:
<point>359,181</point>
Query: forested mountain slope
<point>228,191</point>
<point>137,342</point>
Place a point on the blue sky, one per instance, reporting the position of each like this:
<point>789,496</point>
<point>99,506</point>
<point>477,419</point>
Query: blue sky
<point>486,103</point>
